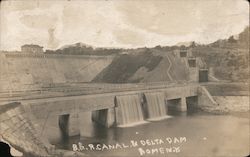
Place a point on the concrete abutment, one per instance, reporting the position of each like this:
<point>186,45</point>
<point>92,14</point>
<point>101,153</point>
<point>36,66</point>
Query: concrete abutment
<point>205,100</point>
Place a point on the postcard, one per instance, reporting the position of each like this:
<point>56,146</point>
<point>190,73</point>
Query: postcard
<point>127,78</point>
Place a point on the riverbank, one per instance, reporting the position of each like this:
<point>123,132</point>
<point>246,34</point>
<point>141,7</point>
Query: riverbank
<point>227,88</point>
<point>229,105</point>
<point>233,103</point>
<point>231,97</point>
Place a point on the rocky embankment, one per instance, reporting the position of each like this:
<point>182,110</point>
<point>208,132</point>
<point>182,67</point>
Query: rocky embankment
<point>18,130</point>
<point>233,103</point>
<point>231,97</point>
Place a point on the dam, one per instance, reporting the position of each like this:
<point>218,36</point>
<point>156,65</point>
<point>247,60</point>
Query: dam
<point>35,98</point>
<point>108,109</point>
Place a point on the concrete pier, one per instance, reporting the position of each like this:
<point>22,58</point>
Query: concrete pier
<point>182,105</point>
<point>86,124</point>
<point>74,124</point>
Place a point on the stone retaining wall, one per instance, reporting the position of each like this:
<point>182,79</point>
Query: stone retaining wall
<point>17,129</point>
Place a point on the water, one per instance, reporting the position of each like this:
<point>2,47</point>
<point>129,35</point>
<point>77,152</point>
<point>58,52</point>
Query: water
<point>129,109</point>
<point>205,134</point>
<point>156,107</point>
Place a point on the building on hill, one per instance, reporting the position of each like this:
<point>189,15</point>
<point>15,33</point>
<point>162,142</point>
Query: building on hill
<point>32,48</point>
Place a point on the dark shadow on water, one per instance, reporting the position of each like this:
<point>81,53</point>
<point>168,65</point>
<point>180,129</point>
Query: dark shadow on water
<point>99,131</point>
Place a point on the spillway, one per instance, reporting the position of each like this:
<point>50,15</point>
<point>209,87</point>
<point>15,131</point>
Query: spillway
<point>129,110</point>
<point>155,105</point>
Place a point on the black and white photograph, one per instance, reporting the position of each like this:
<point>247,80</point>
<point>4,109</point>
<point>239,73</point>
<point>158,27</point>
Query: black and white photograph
<point>124,78</point>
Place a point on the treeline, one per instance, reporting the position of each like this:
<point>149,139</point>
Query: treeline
<point>242,41</point>
<point>80,50</point>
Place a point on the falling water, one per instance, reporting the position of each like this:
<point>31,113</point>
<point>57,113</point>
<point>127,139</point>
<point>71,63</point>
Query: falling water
<point>155,103</point>
<point>129,110</point>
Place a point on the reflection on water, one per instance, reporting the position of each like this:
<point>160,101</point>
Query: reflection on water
<point>206,135</point>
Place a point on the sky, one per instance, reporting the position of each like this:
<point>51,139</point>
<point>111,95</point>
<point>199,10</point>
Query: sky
<point>119,23</point>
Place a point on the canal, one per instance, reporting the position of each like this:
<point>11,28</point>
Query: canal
<point>181,134</point>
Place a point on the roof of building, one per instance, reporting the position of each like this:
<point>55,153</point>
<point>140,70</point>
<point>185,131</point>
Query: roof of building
<point>32,45</point>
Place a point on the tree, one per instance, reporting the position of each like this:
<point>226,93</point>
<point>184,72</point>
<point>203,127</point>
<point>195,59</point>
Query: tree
<point>232,40</point>
<point>193,44</point>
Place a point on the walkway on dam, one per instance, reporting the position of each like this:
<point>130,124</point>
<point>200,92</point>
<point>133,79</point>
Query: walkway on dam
<point>79,89</point>
<point>73,90</point>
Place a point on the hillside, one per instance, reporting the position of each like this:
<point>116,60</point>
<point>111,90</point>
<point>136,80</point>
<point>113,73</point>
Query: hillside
<point>145,66</point>
<point>124,66</point>
<point>228,58</point>
<point>227,64</point>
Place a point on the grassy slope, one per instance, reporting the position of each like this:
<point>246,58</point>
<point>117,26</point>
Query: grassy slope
<point>124,66</point>
<point>228,64</point>
<point>144,66</point>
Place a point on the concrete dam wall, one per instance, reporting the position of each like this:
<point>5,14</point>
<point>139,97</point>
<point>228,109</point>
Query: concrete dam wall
<point>21,71</point>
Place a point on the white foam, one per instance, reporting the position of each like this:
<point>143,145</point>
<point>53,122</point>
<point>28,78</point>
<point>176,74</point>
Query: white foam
<point>132,124</point>
<point>159,118</point>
